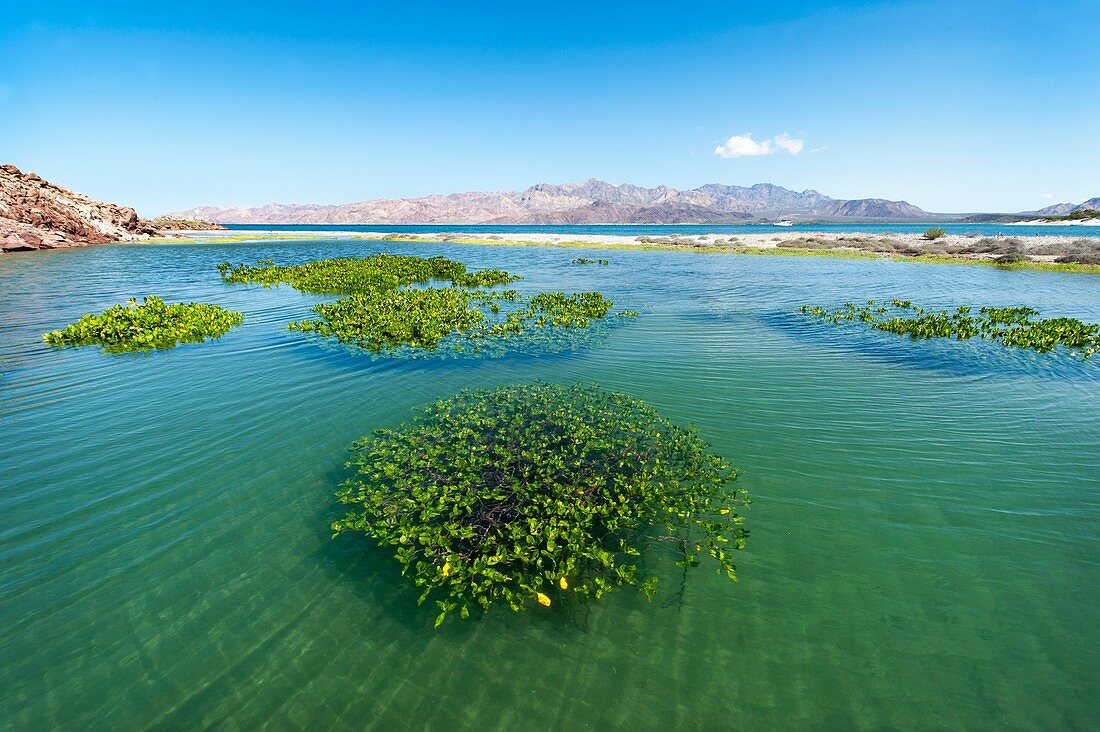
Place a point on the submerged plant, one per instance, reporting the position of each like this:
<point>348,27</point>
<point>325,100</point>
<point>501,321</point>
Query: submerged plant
<point>1016,327</point>
<point>153,324</point>
<point>350,275</point>
<point>519,495</point>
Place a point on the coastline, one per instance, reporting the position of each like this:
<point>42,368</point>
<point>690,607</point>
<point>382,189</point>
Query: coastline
<point>1036,250</point>
<point>1055,222</point>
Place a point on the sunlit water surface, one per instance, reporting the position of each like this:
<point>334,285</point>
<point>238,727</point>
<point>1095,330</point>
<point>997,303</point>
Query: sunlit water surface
<point>924,549</point>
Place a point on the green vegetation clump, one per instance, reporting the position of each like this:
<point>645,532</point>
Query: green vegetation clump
<point>554,309</point>
<point>381,314</point>
<point>351,275</point>
<point>421,318</point>
<point>484,278</point>
<point>582,260</point>
<point>526,494</point>
<point>388,318</point>
<point>153,324</point>
<point>934,233</point>
<point>1016,327</point>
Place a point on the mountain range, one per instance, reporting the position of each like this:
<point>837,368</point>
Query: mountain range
<point>590,202</point>
<point>1065,209</point>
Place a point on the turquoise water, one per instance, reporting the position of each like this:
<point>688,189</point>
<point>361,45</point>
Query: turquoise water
<point>687,229</point>
<point>924,552</point>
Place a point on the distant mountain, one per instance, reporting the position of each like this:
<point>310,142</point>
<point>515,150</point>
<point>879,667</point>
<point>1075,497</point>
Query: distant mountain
<point>589,202</point>
<point>1064,209</point>
<point>872,208</point>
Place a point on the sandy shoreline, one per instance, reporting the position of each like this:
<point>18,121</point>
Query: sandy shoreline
<point>1048,222</point>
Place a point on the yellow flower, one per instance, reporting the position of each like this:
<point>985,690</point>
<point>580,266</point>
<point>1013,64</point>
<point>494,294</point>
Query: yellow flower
<point>446,569</point>
<point>543,599</point>
<point>724,511</point>
<point>563,584</point>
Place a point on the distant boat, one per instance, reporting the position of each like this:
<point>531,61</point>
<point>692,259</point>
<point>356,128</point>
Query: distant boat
<point>784,222</point>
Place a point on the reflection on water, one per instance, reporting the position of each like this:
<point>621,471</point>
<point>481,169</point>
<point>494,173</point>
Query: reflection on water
<point>923,552</point>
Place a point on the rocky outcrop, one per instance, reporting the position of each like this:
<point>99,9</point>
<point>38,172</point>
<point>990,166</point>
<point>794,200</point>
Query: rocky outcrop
<point>37,214</point>
<point>588,202</point>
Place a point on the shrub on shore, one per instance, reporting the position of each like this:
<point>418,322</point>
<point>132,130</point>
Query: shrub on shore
<point>152,324</point>
<point>934,233</point>
<point>989,245</point>
<point>521,495</point>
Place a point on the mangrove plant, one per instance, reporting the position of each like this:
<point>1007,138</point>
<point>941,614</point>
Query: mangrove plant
<point>525,494</point>
<point>1015,327</point>
<point>152,324</point>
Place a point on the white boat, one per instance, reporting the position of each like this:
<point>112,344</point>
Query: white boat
<point>784,222</point>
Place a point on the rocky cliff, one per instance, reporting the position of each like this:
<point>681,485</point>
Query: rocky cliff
<point>588,202</point>
<point>37,214</point>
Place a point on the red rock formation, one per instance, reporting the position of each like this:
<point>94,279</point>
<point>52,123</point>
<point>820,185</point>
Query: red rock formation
<point>36,214</point>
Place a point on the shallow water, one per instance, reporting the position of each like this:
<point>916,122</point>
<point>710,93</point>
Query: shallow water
<point>923,553</point>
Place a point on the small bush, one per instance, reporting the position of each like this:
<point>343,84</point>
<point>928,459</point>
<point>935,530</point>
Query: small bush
<point>989,245</point>
<point>934,233</point>
<point>1079,258</point>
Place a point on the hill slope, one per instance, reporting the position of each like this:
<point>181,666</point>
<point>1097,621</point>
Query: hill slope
<point>37,214</point>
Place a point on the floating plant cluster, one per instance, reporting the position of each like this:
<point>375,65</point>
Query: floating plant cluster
<point>522,494</point>
<point>379,313</point>
<point>422,318</point>
<point>582,260</point>
<point>1015,327</point>
<point>152,324</point>
<point>350,275</point>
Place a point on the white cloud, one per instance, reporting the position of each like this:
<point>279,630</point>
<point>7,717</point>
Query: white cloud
<point>742,146</point>
<point>1047,196</point>
<point>786,142</point>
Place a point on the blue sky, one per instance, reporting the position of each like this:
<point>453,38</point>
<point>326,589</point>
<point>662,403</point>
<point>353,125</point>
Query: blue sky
<point>953,106</point>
